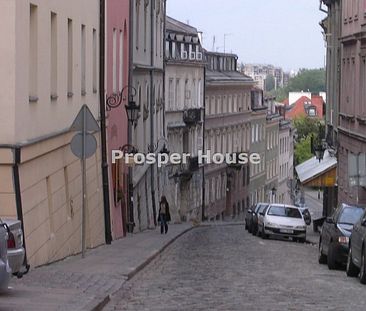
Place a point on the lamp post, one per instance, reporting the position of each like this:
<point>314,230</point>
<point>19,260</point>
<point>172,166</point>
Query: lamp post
<point>114,101</point>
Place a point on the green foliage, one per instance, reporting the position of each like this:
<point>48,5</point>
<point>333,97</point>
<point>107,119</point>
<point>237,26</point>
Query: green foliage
<point>312,80</point>
<point>306,126</point>
<point>303,150</point>
<point>270,83</point>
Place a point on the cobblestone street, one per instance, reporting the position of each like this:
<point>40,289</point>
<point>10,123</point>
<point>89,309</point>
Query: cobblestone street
<point>226,268</point>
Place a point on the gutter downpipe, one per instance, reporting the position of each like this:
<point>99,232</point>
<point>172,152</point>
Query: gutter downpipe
<point>152,95</point>
<point>129,126</point>
<point>203,144</point>
<point>18,201</point>
<point>106,203</point>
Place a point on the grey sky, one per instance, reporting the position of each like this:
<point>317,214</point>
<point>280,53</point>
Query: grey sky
<point>285,33</point>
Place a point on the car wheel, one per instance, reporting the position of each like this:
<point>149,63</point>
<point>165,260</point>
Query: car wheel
<point>250,228</point>
<point>363,268</point>
<point>332,264</point>
<point>264,236</point>
<point>351,269</point>
<point>301,240</point>
<point>322,259</point>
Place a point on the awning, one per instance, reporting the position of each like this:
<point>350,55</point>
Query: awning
<point>313,173</point>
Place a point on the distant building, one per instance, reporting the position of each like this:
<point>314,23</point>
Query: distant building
<point>227,130</point>
<point>272,150</point>
<point>286,159</point>
<point>260,73</point>
<point>184,115</point>
<point>258,145</point>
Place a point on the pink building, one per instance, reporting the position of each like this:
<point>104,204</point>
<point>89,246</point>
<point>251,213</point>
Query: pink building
<point>117,69</point>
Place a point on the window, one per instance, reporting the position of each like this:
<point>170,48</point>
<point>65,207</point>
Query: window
<point>171,95</point>
<point>53,50</point>
<point>69,58</point>
<point>33,53</point>
<point>120,78</point>
<point>83,60</point>
<point>95,49</point>
<point>312,112</point>
<point>114,59</point>
<point>177,94</point>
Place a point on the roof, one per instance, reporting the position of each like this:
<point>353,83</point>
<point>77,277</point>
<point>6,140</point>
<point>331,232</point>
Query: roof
<point>312,168</point>
<point>177,26</point>
<point>227,76</point>
<point>298,108</point>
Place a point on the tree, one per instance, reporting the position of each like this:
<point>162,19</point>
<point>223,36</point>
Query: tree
<point>303,150</point>
<point>306,126</point>
<point>312,80</point>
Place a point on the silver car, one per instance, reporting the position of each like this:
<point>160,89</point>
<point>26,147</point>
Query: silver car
<point>283,220</point>
<point>15,245</point>
<point>5,271</point>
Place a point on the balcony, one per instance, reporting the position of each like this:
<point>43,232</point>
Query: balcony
<point>192,116</point>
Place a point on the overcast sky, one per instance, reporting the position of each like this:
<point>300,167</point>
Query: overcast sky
<point>284,33</point>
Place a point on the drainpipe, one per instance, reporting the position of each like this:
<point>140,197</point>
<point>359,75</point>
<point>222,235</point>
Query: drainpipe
<point>18,201</point>
<point>203,144</point>
<point>129,126</point>
<point>152,95</point>
<point>107,217</point>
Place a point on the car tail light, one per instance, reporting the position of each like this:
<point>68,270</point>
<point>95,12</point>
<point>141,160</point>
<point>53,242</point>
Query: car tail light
<point>11,241</point>
<point>343,240</point>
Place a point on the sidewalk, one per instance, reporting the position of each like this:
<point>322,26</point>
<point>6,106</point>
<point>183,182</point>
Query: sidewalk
<point>86,284</point>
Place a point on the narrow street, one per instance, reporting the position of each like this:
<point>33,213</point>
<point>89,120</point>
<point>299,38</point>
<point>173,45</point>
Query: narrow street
<point>226,268</point>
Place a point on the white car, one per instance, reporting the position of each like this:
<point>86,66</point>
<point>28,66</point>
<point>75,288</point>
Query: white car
<point>283,220</point>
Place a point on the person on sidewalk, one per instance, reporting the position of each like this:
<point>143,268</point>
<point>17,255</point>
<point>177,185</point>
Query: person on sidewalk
<point>164,215</point>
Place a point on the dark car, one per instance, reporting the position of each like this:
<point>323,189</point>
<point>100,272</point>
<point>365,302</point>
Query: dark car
<point>335,233</point>
<point>356,265</point>
<point>251,218</point>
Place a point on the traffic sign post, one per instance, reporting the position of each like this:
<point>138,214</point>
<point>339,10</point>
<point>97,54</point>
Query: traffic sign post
<point>84,145</point>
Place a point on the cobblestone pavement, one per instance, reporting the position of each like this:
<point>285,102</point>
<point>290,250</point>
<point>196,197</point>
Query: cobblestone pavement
<point>226,268</point>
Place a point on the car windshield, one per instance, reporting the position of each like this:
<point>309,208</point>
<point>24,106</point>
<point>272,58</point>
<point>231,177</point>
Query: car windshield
<point>350,215</point>
<point>284,211</point>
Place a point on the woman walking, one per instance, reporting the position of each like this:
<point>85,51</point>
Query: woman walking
<point>164,214</point>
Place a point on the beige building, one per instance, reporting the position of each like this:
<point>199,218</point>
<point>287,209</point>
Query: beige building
<point>227,131</point>
<point>184,111</point>
<point>49,69</point>
<point>286,160</point>
<point>148,55</point>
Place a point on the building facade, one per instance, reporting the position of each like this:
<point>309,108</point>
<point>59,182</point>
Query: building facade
<point>227,131</point>
<point>272,152</point>
<point>148,81</point>
<point>117,70</point>
<point>184,114</point>
<point>352,112</point>
<point>258,145</point>
<point>286,160</point>
<point>50,68</point>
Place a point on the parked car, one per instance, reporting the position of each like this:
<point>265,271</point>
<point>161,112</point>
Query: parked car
<point>5,270</point>
<point>283,220</point>
<point>335,233</point>
<point>251,218</point>
<point>16,250</point>
<point>356,264</point>
<point>305,212</point>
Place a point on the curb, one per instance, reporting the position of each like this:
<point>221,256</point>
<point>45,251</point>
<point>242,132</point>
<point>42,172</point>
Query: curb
<point>97,304</point>
<point>153,256</point>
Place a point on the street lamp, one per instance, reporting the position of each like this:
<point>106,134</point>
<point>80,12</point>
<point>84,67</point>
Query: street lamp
<point>132,110</point>
<point>116,99</point>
